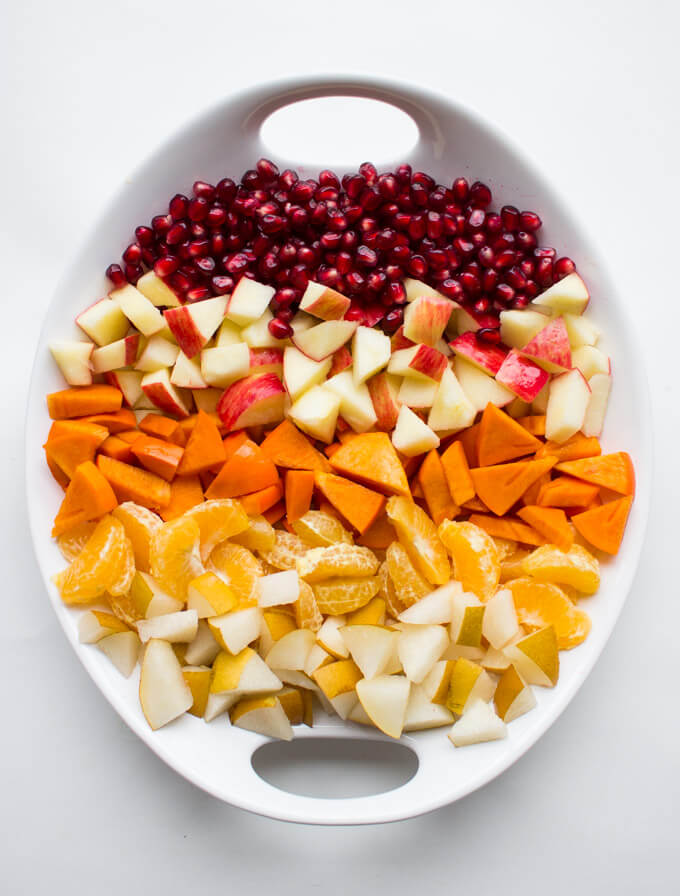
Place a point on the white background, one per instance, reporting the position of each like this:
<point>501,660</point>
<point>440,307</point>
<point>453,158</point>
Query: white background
<point>590,89</point>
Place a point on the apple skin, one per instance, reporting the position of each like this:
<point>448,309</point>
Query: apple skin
<point>400,341</point>
<point>324,302</point>
<point>522,376</point>
<point>185,331</point>
<point>128,382</point>
<point>488,358</point>
<point>253,400</point>
<point>550,347</point>
<point>385,403</point>
<point>341,360</point>
<point>160,391</point>
<point>419,360</point>
<point>425,319</point>
<point>266,360</point>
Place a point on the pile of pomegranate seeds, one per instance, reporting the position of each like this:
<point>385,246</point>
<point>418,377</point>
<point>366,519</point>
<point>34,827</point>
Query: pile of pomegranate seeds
<point>362,235</point>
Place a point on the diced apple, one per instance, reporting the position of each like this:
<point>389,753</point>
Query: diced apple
<point>253,401</point>
<point>550,347</point>
<point>160,391</point>
<point>316,413</point>
<point>488,358</point>
<point>248,301</point>
<point>74,359</point>
<point>399,341</point>
<point>341,360</point>
<point>223,365</point>
<point>193,325</point>
<point>540,404</point>
<point>479,387</point>
<point>279,588</point>
<point>129,382</point>
<point>121,353</point>
<point>103,322</point>
<point>385,699</point>
<point>258,334</point>
<point>157,291</point>
<point>227,334</point>
<point>518,327</point>
<point>581,330</point>
<point>207,399</point>
<point>600,386</point>
<point>418,394</point>
<point>300,373</point>
<point>138,309</point>
<point>411,436</point>
<point>591,360</point>
<point>471,321</point>
<point>356,406</point>
<point>302,322</point>
<point>426,318</point>
<point>324,339</point>
<point>567,404</point>
<point>370,353</point>
<point>522,376</point>
<point>451,409</point>
<point>479,724</point>
<point>163,692</point>
<point>421,361</point>
<point>415,288</point>
<point>324,302</point>
<point>157,354</point>
<point>569,294</point>
<point>266,360</point>
<point>383,389</point>
<point>187,373</point>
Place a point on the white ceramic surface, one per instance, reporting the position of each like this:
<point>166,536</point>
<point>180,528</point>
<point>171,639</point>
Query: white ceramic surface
<point>452,141</point>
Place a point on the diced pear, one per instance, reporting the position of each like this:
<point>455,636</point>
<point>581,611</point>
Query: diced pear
<point>513,696</point>
<point>234,631</point>
<point>500,625</point>
<point>122,648</point>
<point>173,627</point>
<point>435,608</point>
<point>422,714</point>
<point>292,650</point>
<point>479,724</point>
<point>263,715</point>
<point>419,648</point>
<point>371,647</point>
<point>385,699</point>
<point>163,693</point>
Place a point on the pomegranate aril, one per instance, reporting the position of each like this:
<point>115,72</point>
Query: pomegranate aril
<point>400,254</point>
<point>504,293</point>
<point>115,274</point>
<point>452,289</point>
<point>394,272</point>
<point>133,272</point>
<point>236,264</point>
<point>515,278</point>
<point>510,217</point>
<point>417,266</point>
<point>436,258</point>
<point>490,335</point>
<point>337,222</point>
<point>475,220</point>
<point>267,170</point>
<point>531,289</point>
<point>330,241</point>
<point>178,233</point>
<point>204,190</point>
<point>392,320</point>
<point>161,224</point>
<point>464,247</point>
<point>287,253</point>
<point>205,265</point>
<point>299,276</point>
<point>178,207</point>
<point>353,185</point>
<point>460,189</point>
<point>344,262</point>
<point>284,298</point>
<point>148,257</point>
<point>434,225</point>
<point>526,241</point>
<point>544,272</point>
<point>280,329</point>
<point>505,259</point>
<point>329,276</point>
<point>198,209</point>
<point>368,172</point>
<point>133,254</point>
<point>376,281</point>
<point>544,252</point>
<point>419,195</point>
<point>166,266</point>
<point>288,179</point>
<point>527,267</point>
<point>251,180</point>
<point>529,221</point>
<point>226,190</point>
<point>145,236</point>
<point>481,306</point>
<point>480,195</point>
<point>388,186</point>
<point>493,224</point>
<point>470,283</point>
<point>417,227</point>
<point>366,257</point>
<point>329,178</point>
<point>486,257</point>
<point>369,200</point>
<point>198,248</point>
<point>520,302</point>
<point>437,199</point>
<point>355,282</point>
<point>563,267</point>
<point>222,285</point>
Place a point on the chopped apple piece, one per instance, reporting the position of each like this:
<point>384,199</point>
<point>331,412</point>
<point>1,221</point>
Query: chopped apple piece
<point>419,648</point>
<point>222,366</point>
<point>479,724</point>
<point>187,373</point>
<point>567,404</point>
<point>488,358</point>
<point>451,409</point>
<point>248,301</point>
<point>479,387</point>
<point>324,302</point>
<point>356,407</point>
<point>235,630</point>
<point>316,413</point>
<point>121,353</point>
<point>600,386</point>
<point>384,390</point>
<point>421,361</point>
<point>324,339</point>
<point>426,318</point>
<point>279,588</point>
<point>371,351</point>
<point>74,361</point>
<point>518,327</point>
<point>228,334</point>
<point>256,400</point>
<point>266,359</point>
<point>129,382</point>
<point>163,693</point>
<point>144,316</point>
<point>160,391</point>
<point>522,376</point>
<point>550,347</point>
<point>569,294</point>
<point>193,325</point>
<point>415,288</point>
<point>258,334</point>
<point>411,435</point>
<point>418,394</point>
<point>385,699</point>
<point>174,627</point>
<point>103,322</point>
<point>591,360</point>
<point>157,354</point>
<point>300,373</point>
<point>581,330</point>
<point>263,715</point>
<point>157,291</point>
<point>207,399</point>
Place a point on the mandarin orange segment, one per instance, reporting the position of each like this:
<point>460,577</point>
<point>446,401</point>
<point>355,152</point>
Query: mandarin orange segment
<point>218,520</point>
<point>475,559</point>
<point>409,585</point>
<point>335,597</point>
<point>389,593</point>
<point>285,551</point>
<point>511,567</point>
<point>540,603</point>
<point>505,547</point>
<point>240,569</point>
<point>319,529</point>
<point>106,563</point>
<point>259,536</point>
<point>336,560</point>
<point>72,542</point>
<point>140,524</point>
<point>174,556</point>
<point>307,612</point>
<point>418,535</point>
<point>576,567</point>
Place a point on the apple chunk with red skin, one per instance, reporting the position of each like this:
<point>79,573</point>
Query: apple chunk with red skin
<point>550,347</point>
<point>488,358</point>
<point>383,389</point>
<point>324,302</point>
<point>341,360</point>
<point>193,325</point>
<point>522,376</point>
<point>129,382</point>
<point>266,360</point>
<point>425,319</point>
<point>420,361</point>
<point>75,360</point>
<point>161,392</point>
<point>121,353</point>
<point>253,401</point>
<point>324,339</point>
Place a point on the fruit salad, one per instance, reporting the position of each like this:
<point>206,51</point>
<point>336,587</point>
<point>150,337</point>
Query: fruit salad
<point>333,446</point>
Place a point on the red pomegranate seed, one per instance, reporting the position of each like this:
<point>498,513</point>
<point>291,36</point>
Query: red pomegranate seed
<point>476,219</point>
<point>527,267</point>
<point>226,190</point>
<point>145,236</point>
<point>544,272</point>
<point>493,224</point>
<point>115,274</point>
<point>216,217</point>
<point>299,276</point>
<point>400,254</point>
<point>419,195</point>
<point>440,275</point>
<point>166,266</point>
<point>198,209</point>
<point>503,242</point>
<point>486,257</point>
<point>267,170</point>
<point>464,247</point>
<point>306,256</point>
<point>161,224</point>
<point>505,259</point>
<point>272,224</point>
<point>285,314</point>
<point>329,194</point>
<point>437,200</point>
<point>460,189</point>
<point>178,207</point>
<point>343,262</point>
<point>204,190</point>
<point>329,178</point>
<point>394,272</point>
<point>197,294</point>
<point>205,265</point>
<point>526,241</point>
<point>133,254</point>
<point>490,335</point>
<point>545,252</point>
<point>531,289</point>
<point>563,267</point>
<point>355,282</point>
<point>392,320</point>
<point>529,221</point>
<point>287,253</point>
<point>269,265</point>
<point>482,306</point>
<point>198,248</point>
<point>178,233</point>
<point>353,185</point>
<point>330,241</point>
<point>180,282</point>
<point>436,259</point>
<point>329,276</point>
<point>388,186</point>
<point>133,272</point>
<point>302,191</point>
<point>417,228</point>
<point>490,280</point>
<point>251,180</point>
<point>480,195</point>
<point>520,302</point>
<point>288,179</point>
<point>148,257</point>
<point>452,289</point>
<point>236,264</point>
<point>284,298</point>
<point>510,217</point>
<point>368,172</point>
<point>403,174</point>
<point>369,200</point>
<point>434,225</point>
<point>366,257</point>
<point>337,222</point>
<point>504,293</point>
<point>222,285</point>
<point>376,281</point>
<point>417,266</point>
<point>515,278</point>
<point>470,283</point>
<point>280,329</point>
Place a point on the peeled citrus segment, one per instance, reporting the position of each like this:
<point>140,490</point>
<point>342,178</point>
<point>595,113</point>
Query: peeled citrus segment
<point>139,523</point>
<point>475,558</point>
<point>576,567</point>
<point>319,529</point>
<point>240,569</point>
<point>418,535</point>
<point>307,612</point>
<point>511,566</point>
<point>540,603</point>
<point>174,556</point>
<point>409,586</point>
<point>106,563</point>
<point>337,596</point>
<point>72,542</point>
<point>259,536</point>
<point>505,547</point>
<point>336,560</point>
<point>218,520</point>
<point>287,548</point>
<point>388,592</point>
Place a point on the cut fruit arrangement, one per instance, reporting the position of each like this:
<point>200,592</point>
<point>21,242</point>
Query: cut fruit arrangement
<point>337,442</point>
